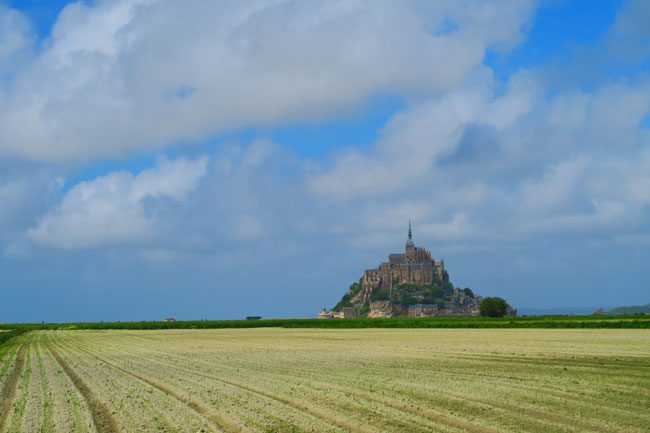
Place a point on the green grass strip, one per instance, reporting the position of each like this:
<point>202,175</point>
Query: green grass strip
<point>552,322</point>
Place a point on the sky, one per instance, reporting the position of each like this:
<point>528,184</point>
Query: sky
<point>218,159</point>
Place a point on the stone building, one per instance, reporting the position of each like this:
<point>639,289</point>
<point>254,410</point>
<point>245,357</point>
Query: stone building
<point>415,266</point>
<point>345,313</point>
<point>349,312</point>
<point>423,310</point>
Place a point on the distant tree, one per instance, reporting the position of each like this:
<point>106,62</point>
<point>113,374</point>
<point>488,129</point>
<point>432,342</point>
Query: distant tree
<point>436,291</point>
<point>354,288</point>
<point>380,294</point>
<point>344,302</point>
<point>468,292</point>
<point>494,307</point>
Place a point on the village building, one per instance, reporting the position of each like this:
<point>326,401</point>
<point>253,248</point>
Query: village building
<point>345,313</point>
<point>423,310</point>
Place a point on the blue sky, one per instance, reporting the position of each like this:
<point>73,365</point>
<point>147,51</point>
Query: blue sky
<point>555,28</point>
<point>258,160</point>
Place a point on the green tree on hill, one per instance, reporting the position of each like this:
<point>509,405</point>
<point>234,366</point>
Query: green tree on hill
<point>494,307</point>
<point>344,302</point>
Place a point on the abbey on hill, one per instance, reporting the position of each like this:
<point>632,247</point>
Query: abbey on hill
<point>415,266</point>
<point>412,284</point>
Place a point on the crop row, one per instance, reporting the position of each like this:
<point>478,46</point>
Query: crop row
<point>312,380</point>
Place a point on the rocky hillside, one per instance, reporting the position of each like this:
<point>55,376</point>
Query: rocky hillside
<point>440,296</point>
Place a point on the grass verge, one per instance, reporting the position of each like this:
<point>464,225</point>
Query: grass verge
<point>553,322</point>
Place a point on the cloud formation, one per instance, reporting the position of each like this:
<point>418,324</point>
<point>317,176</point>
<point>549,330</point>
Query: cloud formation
<point>121,77</point>
<point>494,172</point>
<point>470,152</point>
<point>118,208</point>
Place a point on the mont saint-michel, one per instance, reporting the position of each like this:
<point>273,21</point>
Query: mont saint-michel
<point>409,284</point>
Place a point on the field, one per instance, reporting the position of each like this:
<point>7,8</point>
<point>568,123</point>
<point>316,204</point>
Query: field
<point>326,380</point>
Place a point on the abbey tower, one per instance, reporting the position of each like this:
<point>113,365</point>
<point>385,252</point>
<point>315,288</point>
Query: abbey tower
<point>415,266</point>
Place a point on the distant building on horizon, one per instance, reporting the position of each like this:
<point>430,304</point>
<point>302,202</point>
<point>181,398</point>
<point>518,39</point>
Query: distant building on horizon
<point>409,284</point>
<point>415,266</point>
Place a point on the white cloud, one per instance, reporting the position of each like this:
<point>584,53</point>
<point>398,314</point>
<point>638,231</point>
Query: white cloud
<point>505,167</point>
<point>467,159</point>
<point>555,190</point>
<point>127,76</point>
<point>15,39</point>
<point>112,209</point>
<point>409,143</point>
<point>432,130</point>
<point>526,171</point>
<point>607,217</point>
<point>459,228</point>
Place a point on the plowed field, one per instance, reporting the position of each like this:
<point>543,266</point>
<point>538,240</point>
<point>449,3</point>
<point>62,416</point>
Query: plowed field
<point>319,380</point>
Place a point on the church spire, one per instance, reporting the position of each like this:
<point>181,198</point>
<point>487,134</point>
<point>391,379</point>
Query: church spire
<point>409,241</point>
